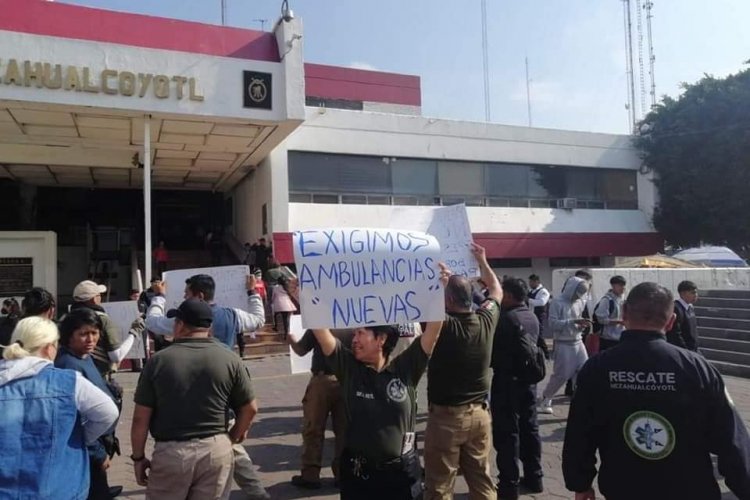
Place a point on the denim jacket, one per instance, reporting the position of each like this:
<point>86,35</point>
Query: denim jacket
<point>42,450</point>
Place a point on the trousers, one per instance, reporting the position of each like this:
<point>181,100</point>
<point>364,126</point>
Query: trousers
<point>515,433</point>
<point>568,359</point>
<point>362,479</point>
<point>198,469</point>
<point>322,398</point>
<point>458,436</point>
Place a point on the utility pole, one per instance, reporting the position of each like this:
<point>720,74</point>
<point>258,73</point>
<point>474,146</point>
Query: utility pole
<point>528,90</point>
<point>223,12</point>
<point>485,62</point>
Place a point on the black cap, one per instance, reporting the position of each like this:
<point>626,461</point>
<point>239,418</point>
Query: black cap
<point>193,312</point>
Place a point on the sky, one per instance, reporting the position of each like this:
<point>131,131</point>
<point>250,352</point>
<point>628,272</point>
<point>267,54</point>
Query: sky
<point>575,49</point>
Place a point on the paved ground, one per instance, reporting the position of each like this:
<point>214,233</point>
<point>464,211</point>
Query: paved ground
<point>275,440</point>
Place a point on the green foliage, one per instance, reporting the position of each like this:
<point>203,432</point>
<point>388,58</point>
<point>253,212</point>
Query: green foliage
<point>699,147</point>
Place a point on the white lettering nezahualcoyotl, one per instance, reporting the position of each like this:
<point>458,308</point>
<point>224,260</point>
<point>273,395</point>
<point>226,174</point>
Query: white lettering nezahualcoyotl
<point>107,81</point>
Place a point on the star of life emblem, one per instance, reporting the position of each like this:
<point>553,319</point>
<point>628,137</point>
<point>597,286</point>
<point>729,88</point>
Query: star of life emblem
<point>649,435</point>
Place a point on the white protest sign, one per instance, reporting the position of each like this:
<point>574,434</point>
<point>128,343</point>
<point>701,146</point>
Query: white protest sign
<point>450,226</point>
<point>122,315</point>
<point>360,277</point>
<point>299,364</point>
<point>231,290</point>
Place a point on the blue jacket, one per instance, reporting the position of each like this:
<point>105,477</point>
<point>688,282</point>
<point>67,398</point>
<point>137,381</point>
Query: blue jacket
<point>224,326</point>
<point>87,368</point>
<point>42,450</point>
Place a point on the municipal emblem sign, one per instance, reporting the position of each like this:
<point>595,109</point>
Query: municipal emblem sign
<point>649,435</point>
<point>257,90</point>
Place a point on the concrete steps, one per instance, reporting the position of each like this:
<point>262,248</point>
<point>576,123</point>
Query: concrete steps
<point>266,341</point>
<point>724,330</point>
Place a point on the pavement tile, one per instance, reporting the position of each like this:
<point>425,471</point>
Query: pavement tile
<point>275,440</point>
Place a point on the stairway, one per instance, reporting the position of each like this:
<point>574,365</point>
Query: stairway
<point>266,341</point>
<point>724,330</point>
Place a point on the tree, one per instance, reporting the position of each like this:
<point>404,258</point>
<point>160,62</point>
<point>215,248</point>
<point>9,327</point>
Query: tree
<point>699,147</point>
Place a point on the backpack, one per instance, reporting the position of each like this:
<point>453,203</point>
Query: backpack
<point>598,327</point>
<point>529,365</point>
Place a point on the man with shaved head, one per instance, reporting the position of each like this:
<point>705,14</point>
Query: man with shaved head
<point>459,426</point>
<point>653,410</point>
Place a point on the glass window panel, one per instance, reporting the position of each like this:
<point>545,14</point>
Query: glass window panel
<point>582,183</point>
<point>378,200</point>
<point>405,200</point>
<point>347,173</point>
<point>619,185</point>
<point>547,182</point>
<point>325,198</point>
<point>519,202</point>
<point>508,180</point>
<point>354,199</point>
<point>362,174</point>
<point>414,176</point>
<point>497,202</point>
<point>460,178</point>
<point>299,197</point>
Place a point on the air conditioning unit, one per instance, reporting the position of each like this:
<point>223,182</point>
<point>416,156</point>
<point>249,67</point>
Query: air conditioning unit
<point>567,203</point>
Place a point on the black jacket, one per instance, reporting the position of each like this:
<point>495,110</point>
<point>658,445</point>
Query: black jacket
<point>655,413</point>
<point>684,332</point>
<point>514,322</point>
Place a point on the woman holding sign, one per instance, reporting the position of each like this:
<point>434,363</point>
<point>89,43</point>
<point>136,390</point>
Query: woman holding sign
<point>380,459</point>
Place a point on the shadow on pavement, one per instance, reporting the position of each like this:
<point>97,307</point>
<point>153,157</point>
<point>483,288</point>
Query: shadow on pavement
<point>269,426</point>
<point>273,457</point>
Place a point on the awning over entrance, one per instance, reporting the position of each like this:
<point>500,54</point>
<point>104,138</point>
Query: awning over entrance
<point>73,100</point>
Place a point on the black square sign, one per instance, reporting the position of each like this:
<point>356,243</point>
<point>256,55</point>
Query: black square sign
<point>256,90</point>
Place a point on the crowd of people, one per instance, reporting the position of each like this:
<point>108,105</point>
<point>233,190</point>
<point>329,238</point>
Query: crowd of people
<point>643,398</point>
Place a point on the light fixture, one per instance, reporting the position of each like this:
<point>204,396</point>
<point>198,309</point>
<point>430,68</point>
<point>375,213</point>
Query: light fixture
<point>286,13</point>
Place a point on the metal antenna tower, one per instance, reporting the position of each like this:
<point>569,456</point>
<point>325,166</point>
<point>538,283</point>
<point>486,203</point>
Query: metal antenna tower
<point>641,67</point>
<point>651,57</point>
<point>629,64</point>
<point>223,12</point>
<point>485,62</point>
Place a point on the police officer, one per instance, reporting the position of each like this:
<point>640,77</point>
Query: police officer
<point>322,398</point>
<point>515,433</point>
<point>380,458</point>
<point>538,299</point>
<point>655,413</point>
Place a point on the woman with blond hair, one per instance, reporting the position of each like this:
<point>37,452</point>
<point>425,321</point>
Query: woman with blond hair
<point>49,415</point>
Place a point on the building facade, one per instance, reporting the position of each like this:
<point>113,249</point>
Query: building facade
<point>245,137</point>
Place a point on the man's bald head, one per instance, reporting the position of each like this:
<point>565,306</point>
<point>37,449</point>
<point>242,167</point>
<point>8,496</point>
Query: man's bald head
<point>458,294</point>
<point>649,306</point>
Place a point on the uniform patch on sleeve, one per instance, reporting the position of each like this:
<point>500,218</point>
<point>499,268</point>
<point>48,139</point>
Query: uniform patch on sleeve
<point>649,435</point>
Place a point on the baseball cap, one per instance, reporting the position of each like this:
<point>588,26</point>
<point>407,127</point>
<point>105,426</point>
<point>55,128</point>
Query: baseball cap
<point>87,290</point>
<point>193,312</point>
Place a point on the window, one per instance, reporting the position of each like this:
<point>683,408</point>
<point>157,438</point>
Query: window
<point>460,178</point>
<point>582,183</point>
<point>414,176</point>
<point>574,261</point>
<point>378,180</point>
<point>508,180</point>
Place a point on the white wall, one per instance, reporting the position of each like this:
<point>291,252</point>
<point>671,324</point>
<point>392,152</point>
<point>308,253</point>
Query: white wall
<point>705,278</point>
<point>41,246</point>
<point>359,132</point>
<point>481,219</point>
